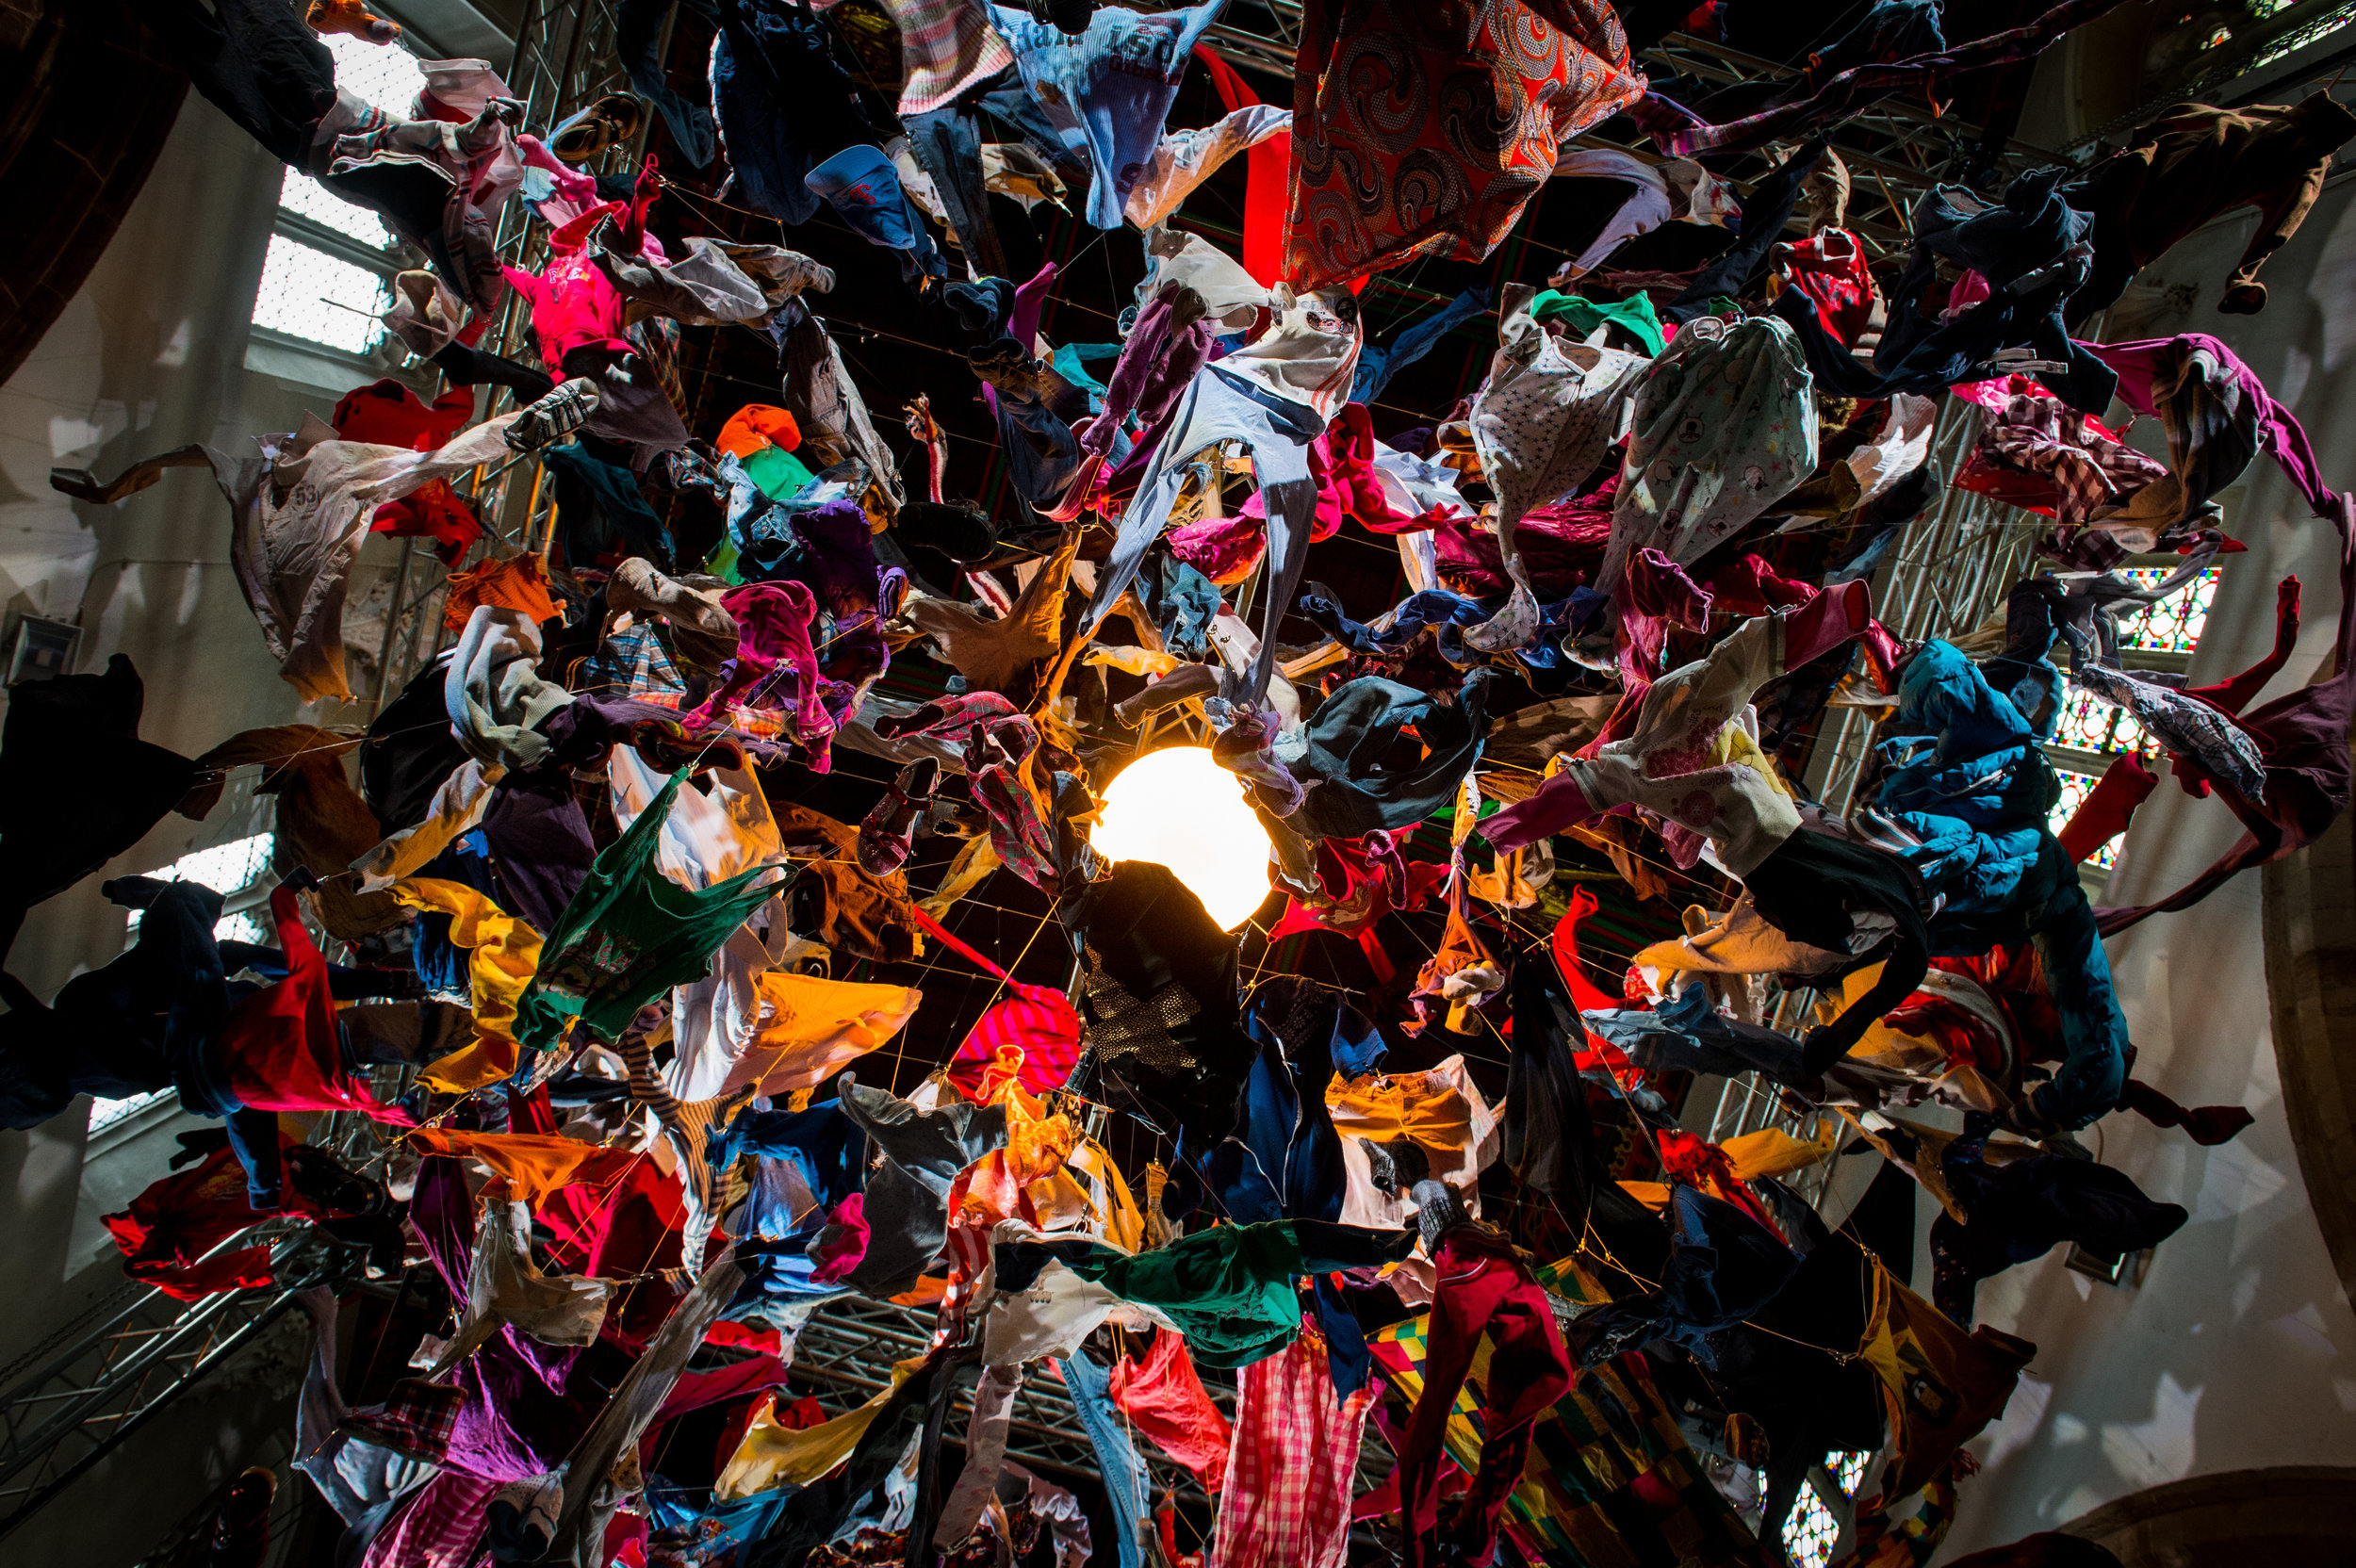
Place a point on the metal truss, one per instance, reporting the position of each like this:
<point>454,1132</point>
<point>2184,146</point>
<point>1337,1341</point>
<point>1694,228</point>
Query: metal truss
<point>847,1342</point>
<point>563,60</point>
<point>83,1392</point>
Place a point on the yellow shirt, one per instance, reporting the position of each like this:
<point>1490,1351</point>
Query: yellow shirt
<point>771,1455</point>
<point>504,954</point>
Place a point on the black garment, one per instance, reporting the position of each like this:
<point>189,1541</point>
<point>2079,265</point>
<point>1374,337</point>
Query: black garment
<point>2030,249</point>
<point>410,751</point>
<point>1160,996</point>
<point>1284,1161</point>
<point>2024,1209</point>
<point>467,366</point>
<point>1807,890</point>
<point>784,103</point>
<point>1372,776</point>
<point>1723,1266</point>
<point>257,62</point>
<point>600,511</point>
<point>1765,211</point>
<point>539,840</point>
<point>1549,1138</point>
<point>148,1021</point>
<point>344,982</point>
<point>1779,1369</point>
<point>638,44</point>
<point>77,784</point>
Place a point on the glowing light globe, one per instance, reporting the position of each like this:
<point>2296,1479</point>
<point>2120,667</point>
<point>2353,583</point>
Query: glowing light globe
<point>1178,808</point>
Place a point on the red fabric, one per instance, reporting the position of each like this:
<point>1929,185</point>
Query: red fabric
<point>2104,814</point>
<point>431,511</point>
<point>1562,544</point>
<point>740,1336</point>
<point>697,1390</point>
<point>1484,1291</point>
<point>386,414</point>
<point>1163,1398</point>
<point>175,1221</point>
<point>2206,1125</point>
<point>802,1412</point>
<point>1374,880</point>
<point>618,1226</point>
<point>1751,587</point>
<point>1385,168</point>
<point>1837,283</point>
<point>1585,994</point>
<point>1037,1022</point>
<point>280,1048</point>
<point>1268,174</point>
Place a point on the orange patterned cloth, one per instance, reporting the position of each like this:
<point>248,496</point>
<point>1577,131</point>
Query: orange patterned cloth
<point>1420,128</point>
<point>520,583</point>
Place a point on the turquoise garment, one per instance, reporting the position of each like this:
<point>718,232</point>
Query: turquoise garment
<point>1583,316</point>
<point>778,473</point>
<point>1072,361</point>
<point>1967,779</point>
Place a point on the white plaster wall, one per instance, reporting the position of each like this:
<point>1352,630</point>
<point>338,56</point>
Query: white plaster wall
<point>2238,1349</point>
<point>150,354</point>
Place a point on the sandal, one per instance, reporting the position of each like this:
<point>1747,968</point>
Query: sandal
<point>610,120</point>
<point>889,834</point>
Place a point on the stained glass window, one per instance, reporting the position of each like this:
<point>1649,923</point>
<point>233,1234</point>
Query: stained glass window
<point>1810,1531</point>
<point>2173,625</point>
<point>1848,1469</point>
<point>2075,788</point>
<point>2090,723</point>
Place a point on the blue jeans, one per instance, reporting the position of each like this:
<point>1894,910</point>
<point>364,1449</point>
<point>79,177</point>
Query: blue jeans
<point>1123,1471</point>
<point>947,142</point>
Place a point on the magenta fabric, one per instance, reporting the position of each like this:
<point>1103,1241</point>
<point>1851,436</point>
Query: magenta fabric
<point>1156,361</point>
<point>574,304</point>
<point>1483,1290</point>
<point>1342,463</point>
<point>774,621</point>
<point>2283,435</point>
<point>1038,1021</point>
<point>1561,543</point>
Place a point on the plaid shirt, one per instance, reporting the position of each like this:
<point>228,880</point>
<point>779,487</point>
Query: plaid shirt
<point>1286,1501</point>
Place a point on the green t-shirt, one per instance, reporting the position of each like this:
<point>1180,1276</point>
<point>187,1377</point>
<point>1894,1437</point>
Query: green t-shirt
<point>1635,315</point>
<point>631,933</point>
<point>1230,1288</point>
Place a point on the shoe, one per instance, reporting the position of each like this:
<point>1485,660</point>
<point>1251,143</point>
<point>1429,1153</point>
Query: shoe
<point>610,120</point>
<point>558,415</point>
<point>888,835</point>
<point>350,16</point>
